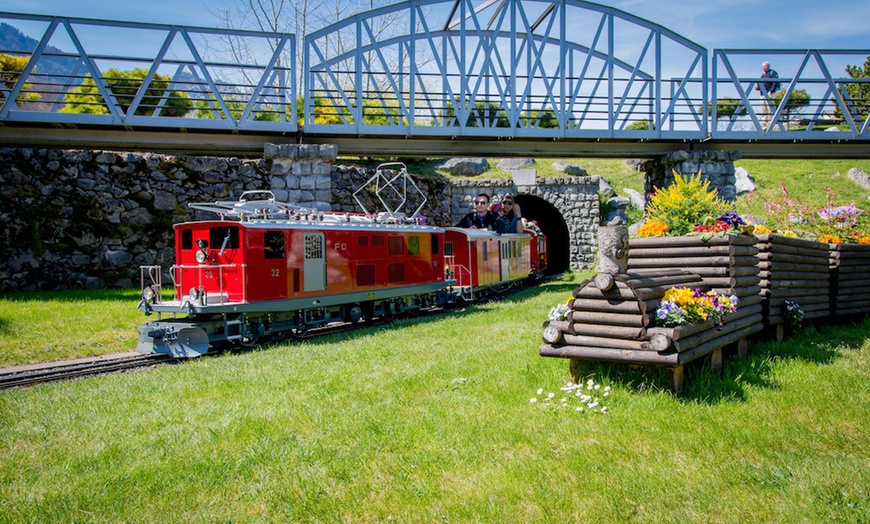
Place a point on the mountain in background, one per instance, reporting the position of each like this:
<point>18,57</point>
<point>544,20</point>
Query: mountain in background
<point>14,41</point>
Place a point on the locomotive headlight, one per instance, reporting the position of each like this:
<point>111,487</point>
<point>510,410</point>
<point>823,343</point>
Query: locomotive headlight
<point>194,294</point>
<point>201,256</point>
<point>149,294</point>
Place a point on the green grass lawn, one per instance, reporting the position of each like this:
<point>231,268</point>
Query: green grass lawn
<point>430,419</point>
<point>54,325</point>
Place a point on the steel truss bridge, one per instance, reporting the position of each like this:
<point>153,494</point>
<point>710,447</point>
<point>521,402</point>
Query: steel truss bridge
<point>430,78</point>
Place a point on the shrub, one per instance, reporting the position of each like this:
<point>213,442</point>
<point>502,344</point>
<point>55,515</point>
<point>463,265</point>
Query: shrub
<point>685,204</point>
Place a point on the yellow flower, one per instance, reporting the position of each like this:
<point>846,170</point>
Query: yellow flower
<point>864,240</point>
<point>759,229</point>
<point>789,233</point>
<point>830,239</point>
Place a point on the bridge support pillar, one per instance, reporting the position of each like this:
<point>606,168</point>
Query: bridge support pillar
<point>717,167</point>
<point>300,173</point>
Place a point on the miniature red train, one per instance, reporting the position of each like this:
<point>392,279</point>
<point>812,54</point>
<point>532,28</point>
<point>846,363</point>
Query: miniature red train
<point>268,270</point>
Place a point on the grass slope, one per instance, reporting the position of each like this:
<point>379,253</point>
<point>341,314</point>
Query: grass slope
<point>430,419</point>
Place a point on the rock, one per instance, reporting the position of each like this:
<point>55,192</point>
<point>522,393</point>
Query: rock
<point>618,202</point>
<point>464,166</point>
<point>745,182</point>
<point>118,258</point>
<point>165,201</point>
<point>637,199</point>
<point>617,217</point>
<point>561,166</point>
<point>509,164</point>
<point>604,188</point>
<point>859,177</point>
<point>94,283</point>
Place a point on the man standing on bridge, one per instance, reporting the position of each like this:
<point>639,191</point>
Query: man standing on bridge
<point>765,89</point>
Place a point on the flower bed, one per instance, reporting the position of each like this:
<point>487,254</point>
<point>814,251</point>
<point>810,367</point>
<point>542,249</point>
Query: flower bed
<point>613,318</point>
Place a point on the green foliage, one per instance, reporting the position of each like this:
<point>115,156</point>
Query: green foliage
<point>727,107</point>
<point>10,71</point>
<point>799,98</point>
<point>87,99</point>
<point>857,94</point>
<point>211,110</point>
<point>685,204</point>
<point>640,125</point>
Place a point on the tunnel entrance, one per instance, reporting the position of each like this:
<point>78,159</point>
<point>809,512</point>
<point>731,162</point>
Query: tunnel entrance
<point>552,224</point>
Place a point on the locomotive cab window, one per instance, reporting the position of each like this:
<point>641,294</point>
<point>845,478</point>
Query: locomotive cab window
<point>448,249</point>
<point>434,244</point>
<point>186,239</point>
<point>221,238</point>
<point>273,244</point>
<point>362,240</point>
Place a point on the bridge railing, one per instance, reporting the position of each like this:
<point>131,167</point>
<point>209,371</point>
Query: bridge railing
<point>816,97</point>
<point>507,68</point>
<point>93,72</point>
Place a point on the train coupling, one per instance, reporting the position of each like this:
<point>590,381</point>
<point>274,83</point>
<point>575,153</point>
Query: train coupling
<point>178,340</point>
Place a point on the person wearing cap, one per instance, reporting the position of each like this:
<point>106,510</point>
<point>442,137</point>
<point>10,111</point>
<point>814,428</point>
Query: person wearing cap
<point>509,220</point>
<point>481,217</point>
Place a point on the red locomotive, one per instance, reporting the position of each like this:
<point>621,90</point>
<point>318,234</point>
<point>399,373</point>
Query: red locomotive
<point>267,269</point>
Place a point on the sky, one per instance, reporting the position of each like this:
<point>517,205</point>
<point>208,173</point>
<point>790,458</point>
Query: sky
<point>803,24</point>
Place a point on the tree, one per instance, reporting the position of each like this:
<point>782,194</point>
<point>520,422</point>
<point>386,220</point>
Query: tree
<point>799,98</point>
<point>856,95</point>
<point>727,107</point>
<point>10,71</point>
<point>124,85</point>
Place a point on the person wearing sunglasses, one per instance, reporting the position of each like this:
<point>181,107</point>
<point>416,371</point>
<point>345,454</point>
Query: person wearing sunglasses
<point>481,217</point>
<point>509,221</point>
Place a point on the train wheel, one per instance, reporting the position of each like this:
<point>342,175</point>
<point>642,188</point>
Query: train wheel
<point>300,332</point>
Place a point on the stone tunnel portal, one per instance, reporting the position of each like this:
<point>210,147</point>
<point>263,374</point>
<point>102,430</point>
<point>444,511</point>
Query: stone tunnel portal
<point>552,224</point>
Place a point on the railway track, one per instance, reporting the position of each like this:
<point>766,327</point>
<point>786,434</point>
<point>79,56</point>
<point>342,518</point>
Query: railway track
<point>70,370</point>
<point>39,374</point>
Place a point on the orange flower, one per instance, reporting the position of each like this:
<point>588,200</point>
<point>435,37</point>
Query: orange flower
<point>830,239</point>
<point>652,228</point>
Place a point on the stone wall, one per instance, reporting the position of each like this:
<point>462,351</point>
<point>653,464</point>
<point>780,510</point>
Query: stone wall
<point>73,219</point>
<point>717,167</point>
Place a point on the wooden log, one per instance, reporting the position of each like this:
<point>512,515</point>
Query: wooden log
<point>687,330</point>
<point>819,255</point>
<point>799,284</point>
<point>660,341</point>
<point>684,357</point>
<point>609,319</point>
<point>787,292</point>
<point>745,292</point>
<point>809,315</point>
<point>561,325</point>
<point>732,282</point>
<point>629,333</point>
<point>604,342</point>
<point>716,360</point>
<point>603,281</point>
<point>681,241</point>
<point>854,269</point>
<point>681,262</point>
<point>794,275</point>
<point>552,335</point>
<point>857,249</point>
<point>608,354</point>
<point>692,251</point>
<point>811,299</point>
<point>802,260</point>
<point>684,280</point>
<point>861,310</point>
<point>788,241</point>
<point>619,291</point>
<point>717,333</point>
<point>600,304</point>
